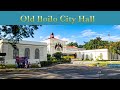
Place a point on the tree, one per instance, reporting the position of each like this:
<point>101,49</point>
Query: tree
<point>15,33</point>
<point>96,43</point>
<point>58,55</point>
<point>73,44</point>
<point>115,47</point>
<point>80,46</point>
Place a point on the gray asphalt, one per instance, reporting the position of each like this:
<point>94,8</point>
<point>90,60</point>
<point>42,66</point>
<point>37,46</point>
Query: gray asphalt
<point>64,71</point>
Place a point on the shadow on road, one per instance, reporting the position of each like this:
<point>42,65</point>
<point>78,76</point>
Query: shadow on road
<point>64,72</point>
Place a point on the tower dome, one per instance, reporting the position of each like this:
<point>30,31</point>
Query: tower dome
<point>52,35</point>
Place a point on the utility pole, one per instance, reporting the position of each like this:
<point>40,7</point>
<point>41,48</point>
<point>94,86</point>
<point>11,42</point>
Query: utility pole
<point>109,44</point>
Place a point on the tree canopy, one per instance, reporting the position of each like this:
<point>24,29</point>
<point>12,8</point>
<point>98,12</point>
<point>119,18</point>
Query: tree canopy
<point>115,47</point>
<point>96,43</point>
<point>75,44</point>
<point>16,33</point>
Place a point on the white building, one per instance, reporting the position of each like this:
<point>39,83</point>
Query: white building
<point>100,54</point>
<point>56,45</point>
<point>35,51</point>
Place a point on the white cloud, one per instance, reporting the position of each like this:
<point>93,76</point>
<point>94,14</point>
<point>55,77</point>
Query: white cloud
<point>68,40</point>
<point>111,38</point>
<point>41,37</point>
<point>74,41</point>
<point>106,37</point>
<point>116,27</point>
<point>65,39</point>
<point>92,35</point>
<point>57,36</point>
<point>88,33</point>
<point>72,36</point>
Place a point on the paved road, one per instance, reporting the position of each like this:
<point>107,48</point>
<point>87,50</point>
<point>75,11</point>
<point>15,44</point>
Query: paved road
<point>64,71</point>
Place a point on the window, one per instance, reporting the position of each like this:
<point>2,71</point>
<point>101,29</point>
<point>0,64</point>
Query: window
<point>58,49</point>
<point>15,53</point>
<point>87,56</point>
<point>91,55</point>
<point>27,53</point>
<point>111,56</point>
<point>37,53</point>
<point>101,56</point>
<point>82,56</point>
<point>116,56</point>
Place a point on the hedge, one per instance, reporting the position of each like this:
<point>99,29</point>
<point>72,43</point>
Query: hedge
<point>54,61</point>
<point>45,63</point>
<point>34,66</point>
<point>7,66</point>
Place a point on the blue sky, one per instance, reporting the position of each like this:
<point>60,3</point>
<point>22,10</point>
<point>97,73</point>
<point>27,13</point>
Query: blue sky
<point>78,33</point>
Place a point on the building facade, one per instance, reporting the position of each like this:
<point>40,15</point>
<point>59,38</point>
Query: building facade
<point>35,51</point>
<point>56,45</point>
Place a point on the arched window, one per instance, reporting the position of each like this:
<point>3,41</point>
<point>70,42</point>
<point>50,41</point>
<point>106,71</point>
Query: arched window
<point>87,56</point>
<point>37,53</point>
<point>15,53</point>
<point>83,56</point>
<point>27,53</point>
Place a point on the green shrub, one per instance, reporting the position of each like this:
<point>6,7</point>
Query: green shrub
<point>2,67</point>
<point>10,66</point>
<point>91,59</point>
<point>87,59</point>
<point>58,55</point>
<point>67,57</point>
<point>52,58</point>
<point>45,63</point>
<point>34,66</point>
<point>54,61</point>
<point>66,60</point>
<point>48,57</point>
<point>97,59</point>
<point>101,64</point>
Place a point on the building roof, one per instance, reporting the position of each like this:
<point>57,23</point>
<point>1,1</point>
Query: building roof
<point>52,37</point>
<point>81,49</point>
<point>26,42</point>
<point>57,39</point>
<point>71,47</point>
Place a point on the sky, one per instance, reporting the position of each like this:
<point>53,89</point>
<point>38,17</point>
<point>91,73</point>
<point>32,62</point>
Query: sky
<point>77,33</point>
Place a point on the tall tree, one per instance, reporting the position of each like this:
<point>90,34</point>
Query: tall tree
<point>80,46</point>
<point>73,44</point>
<point>115,47</point>
<point>96,43</point>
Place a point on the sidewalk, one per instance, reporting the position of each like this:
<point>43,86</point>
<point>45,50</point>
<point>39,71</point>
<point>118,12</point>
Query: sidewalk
<point>21,69</point>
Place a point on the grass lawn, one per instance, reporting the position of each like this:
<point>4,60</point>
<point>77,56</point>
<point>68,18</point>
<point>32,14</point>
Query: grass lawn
<point>103,63</point>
